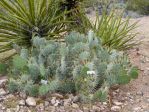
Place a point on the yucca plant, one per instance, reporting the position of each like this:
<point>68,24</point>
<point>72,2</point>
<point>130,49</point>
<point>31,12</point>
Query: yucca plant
<point>114,31</point>
<point>20,20</point>
<point>77,15</point>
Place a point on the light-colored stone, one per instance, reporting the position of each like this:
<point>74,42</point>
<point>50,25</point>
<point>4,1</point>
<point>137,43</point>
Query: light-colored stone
<point>147,100</point>
<point>67,102</point>
<point>53,101</point>
<point>8,110</point>
<point>57,102</point>
<point>3,108</point>
<point>31,101</point>
<point>96,109</point>
<point>17,109</point>
<point>76,99</point>
<point>41,106</point>
<point>22,102</point>
<point>51,109</point>
<point>74,105</point>
<point>140,93</point>
<point>115,108</point>
<point>23,95</point>
<point>46,103</point>
<point>104,103</point>
<point>117,103</point>
<point>137,109</point>
<point>2,92</point>
<point>59,96</point>
<point>85,109</point>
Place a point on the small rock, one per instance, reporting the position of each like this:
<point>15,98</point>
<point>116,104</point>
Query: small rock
<point>8,110</point>
<point>74,105</point>
<point>137,109</point>
<point>57,95</point>
<point>85,109</point>
<point>17,109</point>
<point>56,103</point>
<point>147,100</point>
<point>2,92</point>
<point>51,109</point>
<point>22,102</point>
<point>76,99</point>
<point>67,102</point>
<point>118,90</point>
<point>53,101</point>
<point>41,106</point>
<point>3,108</point>
<point>128,94</point>
<point>46,103</point>
<point>104,103</point>
<point>30,101</point>
<point>96,109</point>
<point>138,100</point>
<point>117,103</point>
<point>140,93</point>
<point>115,108</point>
<point>23,95</point>
<point>9,96</point>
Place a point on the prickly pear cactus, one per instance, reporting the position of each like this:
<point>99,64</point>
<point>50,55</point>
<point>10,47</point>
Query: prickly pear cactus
<point>80,64</point>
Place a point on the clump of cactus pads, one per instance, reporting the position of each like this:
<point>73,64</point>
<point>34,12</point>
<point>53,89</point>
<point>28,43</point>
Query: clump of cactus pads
<point>79,65</point>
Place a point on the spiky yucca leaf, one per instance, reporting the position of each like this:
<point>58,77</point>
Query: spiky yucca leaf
<point>114,31</point>
<point>20,20</point>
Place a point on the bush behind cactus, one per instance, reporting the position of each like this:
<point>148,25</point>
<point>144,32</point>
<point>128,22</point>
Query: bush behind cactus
<point>142,6</point>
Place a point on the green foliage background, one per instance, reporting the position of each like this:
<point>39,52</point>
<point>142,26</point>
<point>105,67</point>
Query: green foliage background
<point>142,6</point>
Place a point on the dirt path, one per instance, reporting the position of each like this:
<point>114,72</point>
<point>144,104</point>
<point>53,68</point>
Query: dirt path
<point>138,90</point>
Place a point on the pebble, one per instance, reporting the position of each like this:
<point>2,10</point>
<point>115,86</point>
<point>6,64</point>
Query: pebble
<point>3,108</point>
<point>59,96</point>
<point>115,108</point>
<point>22,102</point>
<point>140,93</point>
<point>30,101</point>
<point>96,109</point>
<point>57,102</point>
<point>76,99</point>
<point>85,109</point>
<point>147,100</point>
<point>17,109</point>
<point>67,102</point>
<point>104,103</point>
<point>137,109</point>
<point>2,92</point>
<point>117,103</point>
<point>41,106</point>
<point>46,103</point>
<point>53,101</point>
<point>74,105</point>
<point>23,95</point>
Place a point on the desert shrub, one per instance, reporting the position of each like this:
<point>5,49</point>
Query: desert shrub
<point>79,65</point>
<point>142,6</point>
<point>20,20</point>
<point>114,31</point>
<point>3,68</point>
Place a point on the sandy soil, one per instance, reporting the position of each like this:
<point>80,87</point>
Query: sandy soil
<point>139,89</point>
